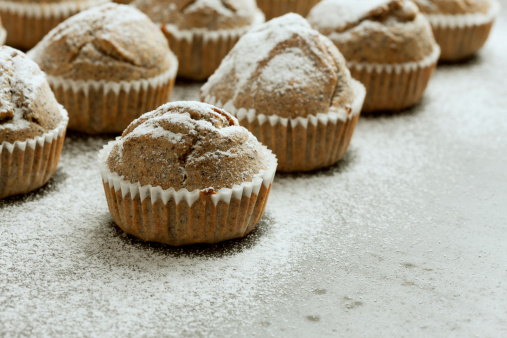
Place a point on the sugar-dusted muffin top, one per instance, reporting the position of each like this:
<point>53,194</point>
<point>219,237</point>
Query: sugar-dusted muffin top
<point>28,107</point>
<point>453,7</point>
<point>188,145</point>
<point>284,68</point>
<point>110,42</point>
<point>375,31</point>
<point>207,14</point>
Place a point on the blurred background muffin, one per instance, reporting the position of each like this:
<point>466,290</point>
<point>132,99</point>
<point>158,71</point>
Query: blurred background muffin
<point>201,32</point>
<point>107,65</point>
<point>388,45</point>
<point>461,27</point>
<point>275,8</point>
<point>27,21</point>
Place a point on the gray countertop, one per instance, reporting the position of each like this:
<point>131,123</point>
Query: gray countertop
<point>406,236</point>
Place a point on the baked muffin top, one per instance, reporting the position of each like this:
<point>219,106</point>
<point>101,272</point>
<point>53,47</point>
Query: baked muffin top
<point>453,7</point>
<point>375,31</point>
<point>188,145</point>
<point>110,42</point>
<point>203,14</point>
<point>284,68</point>
<point>28,107</point>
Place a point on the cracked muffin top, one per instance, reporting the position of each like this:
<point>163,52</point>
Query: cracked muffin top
<point>454,7</point>
<point>284,68</point>
<point>110,42</point>
<point>204,14</point>
<point>188,145</point>
<point>375,31</point>
<point>28,107</point>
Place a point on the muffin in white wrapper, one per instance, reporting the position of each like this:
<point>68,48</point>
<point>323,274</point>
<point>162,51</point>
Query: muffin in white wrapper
<point>177,216</point>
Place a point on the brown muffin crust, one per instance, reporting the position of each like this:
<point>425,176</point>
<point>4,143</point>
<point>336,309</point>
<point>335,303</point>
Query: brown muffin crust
<point>188,145</point>
<point>375,31</point>
<point>110,42</point>
<point>28,107</point>
<point>282,68</point>
<point>206,14</point>
<point>453,7</point>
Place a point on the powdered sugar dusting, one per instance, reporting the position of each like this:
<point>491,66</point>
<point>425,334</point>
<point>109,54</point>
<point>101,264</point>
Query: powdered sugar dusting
<point>405,236</point>
<point>284,71</point>
<point>20,82</point>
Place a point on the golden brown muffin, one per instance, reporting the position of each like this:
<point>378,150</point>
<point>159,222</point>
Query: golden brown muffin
<point>3,34</point>
<point>285,71</point>
<point>27,21</point>
<point>107,65</point>
<point>381,39</point>
<point>461,27</point>
<point>275,8</point>
<point>201,32</point>
<point>32,125</point>
<point>204,177</point>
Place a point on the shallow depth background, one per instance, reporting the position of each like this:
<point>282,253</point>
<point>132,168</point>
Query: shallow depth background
<point>406,236</point>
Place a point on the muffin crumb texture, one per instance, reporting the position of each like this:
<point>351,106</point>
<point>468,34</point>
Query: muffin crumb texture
<point>205,14</point>
<point>110,42</point>
<point>188,145</point>
<point>28,108</point>
<point>284,68</point>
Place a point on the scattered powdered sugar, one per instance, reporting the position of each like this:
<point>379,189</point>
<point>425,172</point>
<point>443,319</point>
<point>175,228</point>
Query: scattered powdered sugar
<point>20,82</point>
<point>405,236</point>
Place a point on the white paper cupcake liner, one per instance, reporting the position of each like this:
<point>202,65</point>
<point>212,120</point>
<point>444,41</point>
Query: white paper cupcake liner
<point>104,106</point>
<point>180,217</point>
<point>3,36</point>
<point>28,165</point>
<point>302,143</point>
<point>464,20</point>
<point>28,22</point>
<point>47,10</point>
<point>392,87</point>
<point>461,36</point>
<point>200,51</point>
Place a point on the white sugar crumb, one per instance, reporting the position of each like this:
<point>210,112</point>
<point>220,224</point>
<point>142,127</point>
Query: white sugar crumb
<point>20,81</point>
<point>405,236</point>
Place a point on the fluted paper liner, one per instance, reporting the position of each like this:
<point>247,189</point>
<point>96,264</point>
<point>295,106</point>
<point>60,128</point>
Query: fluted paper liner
<point>28,165</point>
<point>276,8</point>
<point>3,36</point>
<point>200,51</point>
<point>302,144</point>
<point>391,87</point>
<point>186,217</point>
<point>27,23</point>
<point>109,107</point>
<point>460,36</point>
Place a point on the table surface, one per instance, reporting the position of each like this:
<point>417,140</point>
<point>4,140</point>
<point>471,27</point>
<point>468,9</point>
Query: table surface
<point>406,236</point>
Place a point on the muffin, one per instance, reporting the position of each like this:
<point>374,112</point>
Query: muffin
<point>32,125</point>
<point>461,27</point>
<point>186,173</point>
<point>107,65</point>
<point>275,8</point>
<point>388,45</point>
<point>201,32</point>
<point>27,21</point>
<point>289,85</point>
